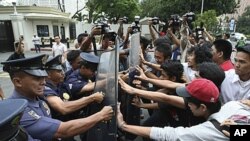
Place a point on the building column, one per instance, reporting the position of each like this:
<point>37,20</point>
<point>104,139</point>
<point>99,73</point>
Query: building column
<point>17,25</point>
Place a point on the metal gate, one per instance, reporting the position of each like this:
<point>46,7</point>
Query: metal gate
<point>6,36</point>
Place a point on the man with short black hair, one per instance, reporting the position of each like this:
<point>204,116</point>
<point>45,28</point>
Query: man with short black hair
<point>59,48</point>
<point>236,85</point>
<point>222,50</point>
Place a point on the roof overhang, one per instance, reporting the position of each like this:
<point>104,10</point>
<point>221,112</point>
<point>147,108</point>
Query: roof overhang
<point>46,16</point>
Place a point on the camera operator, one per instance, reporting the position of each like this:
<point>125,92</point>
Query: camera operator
<point>151,30</point>
<point>85,40</point>
<point>208,35</point>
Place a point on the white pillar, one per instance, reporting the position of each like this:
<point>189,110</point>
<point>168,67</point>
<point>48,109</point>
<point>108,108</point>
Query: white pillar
<point>17,25</point>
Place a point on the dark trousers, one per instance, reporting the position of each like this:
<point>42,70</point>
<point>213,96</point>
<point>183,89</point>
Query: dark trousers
<point>37,48</point>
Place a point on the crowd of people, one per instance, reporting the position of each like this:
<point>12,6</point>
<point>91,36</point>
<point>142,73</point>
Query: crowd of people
<point>187,97</point>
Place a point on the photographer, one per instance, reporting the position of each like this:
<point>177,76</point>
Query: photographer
<point>85,41</point>
<point>151,30</point>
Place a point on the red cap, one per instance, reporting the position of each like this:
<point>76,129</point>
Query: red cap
<point>201,89</point>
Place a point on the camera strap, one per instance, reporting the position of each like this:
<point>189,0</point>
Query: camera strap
<point>156,30</point>
<point>94,45</point>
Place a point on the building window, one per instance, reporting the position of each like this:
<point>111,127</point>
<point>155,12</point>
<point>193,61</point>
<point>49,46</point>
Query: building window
<point>42,30</point>
<point>72,30</point>
<point>55,30</point>
<point>2,29</point>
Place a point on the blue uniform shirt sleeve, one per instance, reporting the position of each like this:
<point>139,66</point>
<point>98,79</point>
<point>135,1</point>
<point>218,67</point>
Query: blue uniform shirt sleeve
<point>75,83</point>
<point>49,92</point>
<point>39,127</point>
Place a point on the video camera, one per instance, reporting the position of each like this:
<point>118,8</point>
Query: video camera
<point>199,30</point>
<point>175,20</point>
<point>104,27</point>
<point>106,30</point>
<point>155,20</point>
<point>135,25</point>
<point>189,17</point>
<point>124,19</point>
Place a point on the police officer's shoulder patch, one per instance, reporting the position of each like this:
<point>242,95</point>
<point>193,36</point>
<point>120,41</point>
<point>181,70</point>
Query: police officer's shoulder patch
<point>34,114</point>
<point>46,107</point>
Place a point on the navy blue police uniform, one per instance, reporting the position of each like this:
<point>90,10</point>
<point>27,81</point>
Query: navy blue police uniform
<point>61,90</point>
<point>36,119</point>
<point>11,112</point>
<point>75,80</point>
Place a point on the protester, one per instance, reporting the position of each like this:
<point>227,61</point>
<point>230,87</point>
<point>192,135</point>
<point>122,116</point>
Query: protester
<point>203,100</point>
<point>237,81</point>
<point>222,50</point>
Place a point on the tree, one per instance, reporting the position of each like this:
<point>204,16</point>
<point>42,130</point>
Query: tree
<point>165,8</point>
<point>112,9</point>
<point>243,22</point>
<point>208,18</point>
<point>120,8</point>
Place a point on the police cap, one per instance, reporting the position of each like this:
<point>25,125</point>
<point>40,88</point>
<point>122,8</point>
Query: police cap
<point>90,57</point>
<point>54,63</point>
<point>32,65</point>
<point>11,112</point>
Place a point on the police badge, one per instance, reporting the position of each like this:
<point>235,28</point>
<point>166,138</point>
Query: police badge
<point>66,97</point>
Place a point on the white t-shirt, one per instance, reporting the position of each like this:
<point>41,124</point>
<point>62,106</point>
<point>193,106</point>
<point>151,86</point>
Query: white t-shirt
<point>202,132</point>
<point>59,49</point>
<point>188,72</point>
<point>36,40</point>
<point>232,88</point>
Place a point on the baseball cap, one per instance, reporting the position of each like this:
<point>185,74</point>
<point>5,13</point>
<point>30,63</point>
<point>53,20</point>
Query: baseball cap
<point>244,49</point>
<point>201,89</point>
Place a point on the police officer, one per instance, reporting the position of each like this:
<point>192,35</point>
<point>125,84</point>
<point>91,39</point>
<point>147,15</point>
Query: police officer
<point>28,78</point>
<point>81,79</point>
<point>11,110</point>
<point>58,94</point>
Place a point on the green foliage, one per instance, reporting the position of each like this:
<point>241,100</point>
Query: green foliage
<point>165,8</point>
<point>243,24</point>
<point>112,9</point>
<point>209,19</point>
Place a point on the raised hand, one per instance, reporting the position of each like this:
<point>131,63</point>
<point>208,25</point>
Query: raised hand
<point>120,120</point>
<point>137,102</point>
<point>98,97</point>
<point>142,75</point>
<point>107,113</point>
<point>126,87</point>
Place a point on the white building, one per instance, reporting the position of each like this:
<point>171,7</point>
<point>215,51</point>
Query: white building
<point>33,17</point>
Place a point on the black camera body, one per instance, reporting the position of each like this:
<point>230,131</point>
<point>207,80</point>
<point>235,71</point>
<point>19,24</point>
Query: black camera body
<point>155,20</point>
<point>135,28</point>
<point>125,19</point>
<point>135,25</point>
<point>104,27</point>
<point>199,30</point>
<point>175,20</point>
<point>189,17</point>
